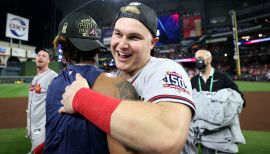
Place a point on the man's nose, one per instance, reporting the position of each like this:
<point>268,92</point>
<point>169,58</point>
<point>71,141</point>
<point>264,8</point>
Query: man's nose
<point>123,43</point>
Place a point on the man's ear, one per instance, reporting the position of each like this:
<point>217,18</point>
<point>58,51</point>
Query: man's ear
<point>49,59</point>
<point>210,60</point>
<point>154,41</point>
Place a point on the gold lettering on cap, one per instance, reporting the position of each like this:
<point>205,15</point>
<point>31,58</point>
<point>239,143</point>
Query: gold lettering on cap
<point>87,27</point>
<point>131,9</point>
<point>64,28</point>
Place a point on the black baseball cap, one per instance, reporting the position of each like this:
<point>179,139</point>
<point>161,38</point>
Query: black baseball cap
<point>38,48</point>
<point>82,31</point>
<point>141,12</point>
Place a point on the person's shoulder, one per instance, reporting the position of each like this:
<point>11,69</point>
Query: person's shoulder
<point>194,77</point>
<point>96,69</point>
<point>162,64</point>
<point>221,74</point>
<point>155,60</point>
<point>109,77</point>
<point>115,86</point>
<point>52,72</point>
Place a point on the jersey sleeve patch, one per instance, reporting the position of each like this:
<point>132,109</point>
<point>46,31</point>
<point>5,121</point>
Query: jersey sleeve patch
<point>175,81</point>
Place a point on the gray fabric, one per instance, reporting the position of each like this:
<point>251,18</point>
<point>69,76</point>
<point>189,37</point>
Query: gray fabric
<point>216,123</point>
<point>190,147</point>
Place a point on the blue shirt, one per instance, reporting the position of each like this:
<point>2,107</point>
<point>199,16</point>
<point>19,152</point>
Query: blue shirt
<point>71,134</point>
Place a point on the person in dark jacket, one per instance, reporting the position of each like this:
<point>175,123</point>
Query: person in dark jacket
<point>210,80</point>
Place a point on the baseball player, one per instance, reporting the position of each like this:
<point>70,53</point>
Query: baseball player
<point>159,123</point>
<point>65,134</point>
<point>36,100</point>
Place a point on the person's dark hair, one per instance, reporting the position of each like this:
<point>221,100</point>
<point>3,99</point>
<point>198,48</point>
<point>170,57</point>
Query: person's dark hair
<point>153,52</point>
<point>73,54</point>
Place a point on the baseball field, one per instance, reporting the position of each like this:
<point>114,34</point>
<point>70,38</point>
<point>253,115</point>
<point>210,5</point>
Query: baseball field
<point>254,118</point>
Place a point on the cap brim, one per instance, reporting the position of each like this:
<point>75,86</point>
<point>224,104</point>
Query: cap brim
<point>87,44</point>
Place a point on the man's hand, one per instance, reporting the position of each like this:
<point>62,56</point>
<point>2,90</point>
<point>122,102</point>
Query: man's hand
<point>70,92</point>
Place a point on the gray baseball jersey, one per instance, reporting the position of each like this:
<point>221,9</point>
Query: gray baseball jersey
<point>36,118</point>
<point>163,80</point>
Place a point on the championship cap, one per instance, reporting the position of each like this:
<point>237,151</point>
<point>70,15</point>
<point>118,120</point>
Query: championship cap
<point>141,12</point>
<point>82,31</point>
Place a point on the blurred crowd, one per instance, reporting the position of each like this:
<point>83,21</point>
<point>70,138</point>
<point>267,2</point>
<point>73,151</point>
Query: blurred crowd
<point>255,72</point>
<point>251,72</point>
<point>255,64</point>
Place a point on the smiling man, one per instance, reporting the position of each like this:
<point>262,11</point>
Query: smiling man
<point>159,123</point>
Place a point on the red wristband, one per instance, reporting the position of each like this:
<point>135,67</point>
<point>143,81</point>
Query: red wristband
<point>95,107</point>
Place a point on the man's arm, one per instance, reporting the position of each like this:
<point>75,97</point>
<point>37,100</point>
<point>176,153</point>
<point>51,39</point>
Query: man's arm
<point>151,128</point>
<point>115,86</point>
<point>119,88</point>
<point>145,127</point>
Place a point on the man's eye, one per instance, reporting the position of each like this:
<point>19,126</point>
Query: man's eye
<point>117,33</point>
<point>134,38</point>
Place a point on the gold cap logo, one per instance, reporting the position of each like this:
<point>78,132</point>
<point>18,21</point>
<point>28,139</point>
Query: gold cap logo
<point>64,28</point>
<point>130,9</point>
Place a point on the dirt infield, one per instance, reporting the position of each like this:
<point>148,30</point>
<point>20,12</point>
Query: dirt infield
<point>253,117</point>
<point>13,112</point>
<point>256,115</point>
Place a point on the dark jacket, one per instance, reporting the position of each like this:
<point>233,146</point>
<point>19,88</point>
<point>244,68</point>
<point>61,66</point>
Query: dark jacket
<point>220,81</point>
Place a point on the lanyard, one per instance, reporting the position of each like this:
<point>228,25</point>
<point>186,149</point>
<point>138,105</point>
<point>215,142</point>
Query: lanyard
<point>211,83</point>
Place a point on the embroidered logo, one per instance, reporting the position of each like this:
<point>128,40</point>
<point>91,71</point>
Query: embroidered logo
<point>174,80</point>
<point>88,28</point>
<point>64,29</point>
<point>36,88</point>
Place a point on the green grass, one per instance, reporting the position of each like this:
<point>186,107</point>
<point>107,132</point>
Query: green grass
<point>13,90</point>
<point>256,143</point>
<point>253,86</point>
<point>12,141</point>
<point>21,90</point>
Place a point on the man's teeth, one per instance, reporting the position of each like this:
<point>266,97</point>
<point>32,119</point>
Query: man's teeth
<point>122,54</point>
